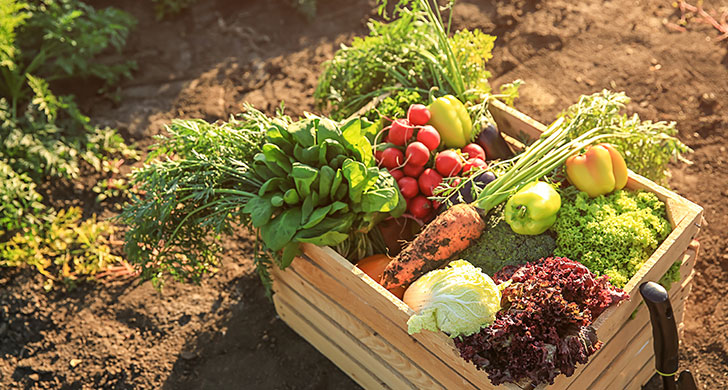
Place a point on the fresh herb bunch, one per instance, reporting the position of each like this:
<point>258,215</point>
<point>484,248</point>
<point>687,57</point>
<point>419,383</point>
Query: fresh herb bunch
<point>647,146</point>
<point>611,234</point>
<point>411,52</point>
<point>194,188</point>
<point>544,328</point>
<point>313,180</point>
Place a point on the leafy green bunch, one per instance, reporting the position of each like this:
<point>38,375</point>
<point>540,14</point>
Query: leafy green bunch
<point>313,180</point>
<point>611,234</point>
<point>191,192</point>
<point>647,146</point>
<point>320,185</point>
<point>410,53</point>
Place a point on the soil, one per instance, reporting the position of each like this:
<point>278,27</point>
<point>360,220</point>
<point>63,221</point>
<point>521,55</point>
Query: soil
<point>207,61</point>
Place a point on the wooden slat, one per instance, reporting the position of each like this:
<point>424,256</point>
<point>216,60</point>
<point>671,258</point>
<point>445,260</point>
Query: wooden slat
<point>624,369</point>
<point>327,347</point>
<point>374,308</point>
<point>642,376</point>
<point>515,123</point>
<point>656,266</point>
<point>404,373</point>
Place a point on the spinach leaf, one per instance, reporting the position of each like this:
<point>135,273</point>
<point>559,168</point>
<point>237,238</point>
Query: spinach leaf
<point>278,233</point>
<point>359,177</point>
<point>260,210</point>
<point>355,141</point>
<point>303,175</point>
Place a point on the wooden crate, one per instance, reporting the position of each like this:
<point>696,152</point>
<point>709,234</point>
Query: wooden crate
<point>361,327</point>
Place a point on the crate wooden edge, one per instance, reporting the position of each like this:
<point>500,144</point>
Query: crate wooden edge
<point>678,292</point>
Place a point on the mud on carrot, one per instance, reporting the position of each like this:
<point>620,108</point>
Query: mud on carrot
<point>449,233</point>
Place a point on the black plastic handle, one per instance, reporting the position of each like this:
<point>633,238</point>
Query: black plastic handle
<point>664,332</point>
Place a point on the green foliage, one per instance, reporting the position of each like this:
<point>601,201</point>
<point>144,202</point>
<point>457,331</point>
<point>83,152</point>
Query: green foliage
<point>164,8</point>
<point>611,234</point>
<point>499,246</point>
<point>410,52</point>
<point>44,136</point>
<point>647,146</point>
<point>190,193</point>
<point>395,106</point>
<point>62,247</point>
<point>671,276</point>
<point>19,201</point>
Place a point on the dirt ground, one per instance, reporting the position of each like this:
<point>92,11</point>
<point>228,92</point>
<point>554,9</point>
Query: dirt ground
<point>224,333</point>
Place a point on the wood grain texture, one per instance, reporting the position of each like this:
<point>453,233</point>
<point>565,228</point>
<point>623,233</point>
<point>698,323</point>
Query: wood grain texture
<point>397,369</point>
<point>376,310</point>
<point>329,348</point>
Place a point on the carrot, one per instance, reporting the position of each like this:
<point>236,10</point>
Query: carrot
<point>448,234</point>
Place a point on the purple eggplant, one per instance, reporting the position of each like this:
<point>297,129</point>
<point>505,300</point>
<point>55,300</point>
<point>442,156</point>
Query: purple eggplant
<point>495,146</point>
<point>465,193</point>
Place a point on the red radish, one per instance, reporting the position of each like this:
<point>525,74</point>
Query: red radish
<point>408,187</point>
<point>378,156</point>
<point>392,158</point>
<point>428,180</point>
<point>474,163</point>
<point>396,174</point>
<point>420,207</point>
<point>413,170</point>
<point>429,136</point>
<point>418,114</point>
<point>417,154</point>
<point>448,163</point>
<point>400,132</point>
<point>474,151</point>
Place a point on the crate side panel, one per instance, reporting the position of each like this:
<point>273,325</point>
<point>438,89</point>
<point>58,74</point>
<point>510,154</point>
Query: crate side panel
<point>298,291</point>
<point>359,300</point>
<point>328,348</point>
<point>630,364</point>
<point>391,308</point>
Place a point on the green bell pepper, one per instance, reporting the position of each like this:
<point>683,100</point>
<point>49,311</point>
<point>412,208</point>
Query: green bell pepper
<point>451,119</point>
<point>532,210</point>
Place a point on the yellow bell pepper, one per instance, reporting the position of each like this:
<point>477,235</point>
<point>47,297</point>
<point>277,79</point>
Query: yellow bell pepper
<point>451,119</point>
<point>598,171</point>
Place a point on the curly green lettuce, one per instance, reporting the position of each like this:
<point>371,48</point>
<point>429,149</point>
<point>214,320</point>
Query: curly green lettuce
<point>612,234</point>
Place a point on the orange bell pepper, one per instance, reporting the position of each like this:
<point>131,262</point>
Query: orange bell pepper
<point>598,171</point>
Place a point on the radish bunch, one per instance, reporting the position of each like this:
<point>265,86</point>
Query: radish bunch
<point>411,155</point>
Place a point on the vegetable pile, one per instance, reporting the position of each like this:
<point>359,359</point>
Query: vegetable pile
<point>543,329</point>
